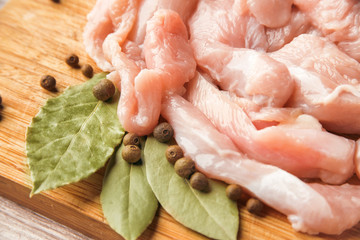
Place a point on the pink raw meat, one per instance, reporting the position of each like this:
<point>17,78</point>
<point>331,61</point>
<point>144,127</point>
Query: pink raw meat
<point>119,20</point>
<point>266,116</point>
<point>310,208</point>
<point>326,82</point>
<point>166,52</point>
<point>228,22</point>
<point>338,20</point>
<point>271,13</point>
<point>300,147</point>
<point>167,49</point>
<point>219,36</point>
<point>144,44</point>
<point>277,37</point>
<point>109,19</point>
<point>135,53</point>
<point>357,158</point>
<point>147,8</point>
<point>170,63</point>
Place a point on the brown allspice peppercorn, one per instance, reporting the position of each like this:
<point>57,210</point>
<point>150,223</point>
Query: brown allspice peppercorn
<point>233,192</point>
<point>163,132</point>
<point>131,139</point>
<point>104,90</point>
<point>184,167</point>
<point>199,182</point>
<point>173,153</point>
<point>73,61</point>
<point>131,153</point>
<point>56,1</point>
<point>254,206</point>
<point>0,100</point>
<point>48,82</point>
<point>87,70</point>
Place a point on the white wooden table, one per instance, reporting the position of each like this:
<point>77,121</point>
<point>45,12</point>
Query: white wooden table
<point>19,223</point>
<point>2,2</point>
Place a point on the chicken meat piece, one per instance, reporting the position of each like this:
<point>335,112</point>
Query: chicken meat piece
<point>267,117</point>
<point>170,63</point>
<point>357,158</point>
<point>271,13</point>
<point>299,24</point>
<point>220,37</point>
<point>263,117</point>
<point>111,19</point>
<point>300,147</point>
<point>310,208</point>
<point>326,82</point>
<point>338,20</point>
<point>147,8</point>
<point>228,22</point>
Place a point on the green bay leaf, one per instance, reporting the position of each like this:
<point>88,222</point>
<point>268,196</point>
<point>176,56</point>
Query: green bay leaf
<point>128,202</point>
<point>211,214</point>
<point>71,137</point>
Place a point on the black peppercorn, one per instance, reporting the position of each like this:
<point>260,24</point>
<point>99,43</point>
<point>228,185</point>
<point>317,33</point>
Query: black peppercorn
<point>73,61</point>
<point>0,100</point>
<point>48,82</point>
<point>131,153</point>
<point>104,90</point>
<point>163,132</point>
<point>56,1</point>
<point>87,71</point>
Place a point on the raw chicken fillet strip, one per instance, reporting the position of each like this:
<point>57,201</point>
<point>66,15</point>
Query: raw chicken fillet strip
<point>300,147</point>
<point>311,208</point>
<point>283,78</point>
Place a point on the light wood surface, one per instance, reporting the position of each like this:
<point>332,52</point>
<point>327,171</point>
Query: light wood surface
<point>2,3</point>
<point>19,223</point>
<point>35,37</point>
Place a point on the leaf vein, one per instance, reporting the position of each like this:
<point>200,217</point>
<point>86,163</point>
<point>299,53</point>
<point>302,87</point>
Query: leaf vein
<point>203,206</point>
<point>129,201</point>
<point>101,128</point>
<point>71,143</point>
<point>51,142</point>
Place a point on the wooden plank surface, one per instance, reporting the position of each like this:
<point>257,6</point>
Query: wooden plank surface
<point>35,37</point>
<point>18,222</point>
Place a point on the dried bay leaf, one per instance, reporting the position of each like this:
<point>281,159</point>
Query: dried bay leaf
<point>211,214</point>
<point>128,203</point>
<point>71,137</point>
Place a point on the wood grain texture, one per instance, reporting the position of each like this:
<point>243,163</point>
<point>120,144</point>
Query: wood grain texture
<point>35,37</point>
<point>18,222</point>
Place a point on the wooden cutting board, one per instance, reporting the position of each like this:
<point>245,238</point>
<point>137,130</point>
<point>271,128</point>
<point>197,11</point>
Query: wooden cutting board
<point>35,37</point>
